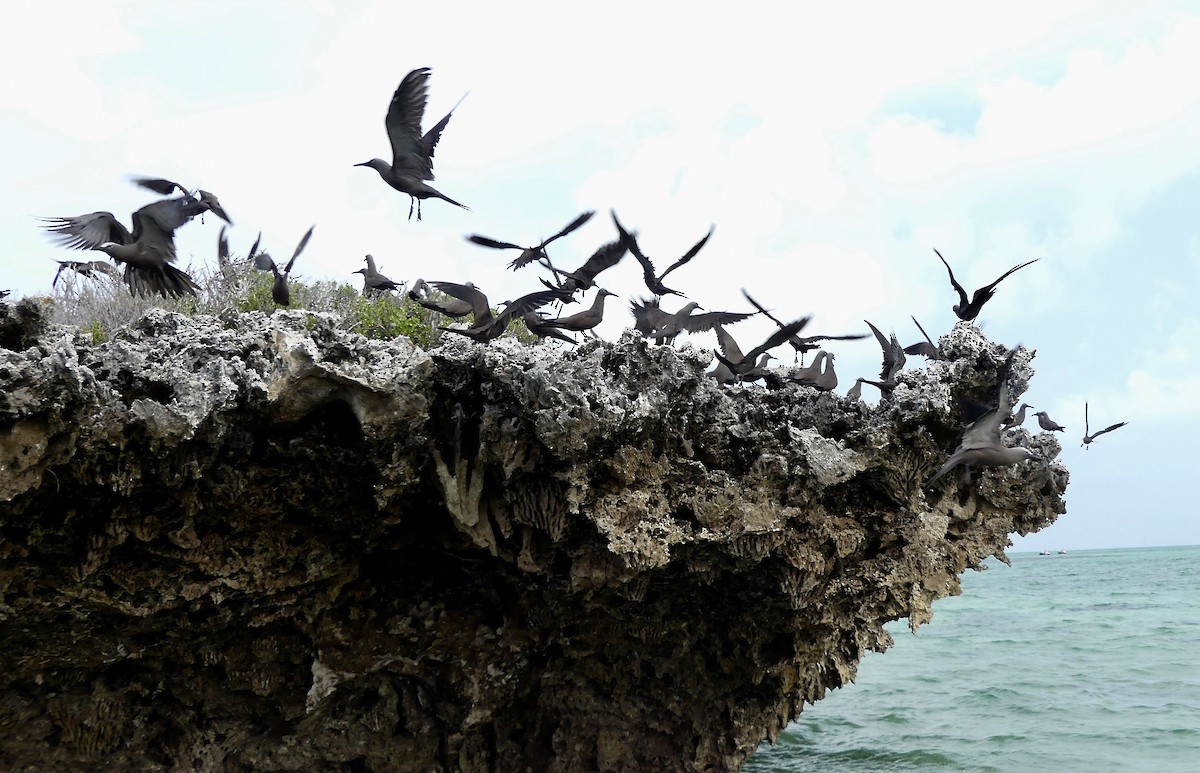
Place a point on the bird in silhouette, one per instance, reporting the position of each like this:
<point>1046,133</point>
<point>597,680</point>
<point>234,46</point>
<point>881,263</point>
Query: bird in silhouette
<point>447,306</point>
<point>739,366</point>
<point>927,348</point>
<point>412,152</point>
<point>981,444</point>
<point>530,254</point>
<point>654,282</point>
<point>684,321</point>
<point>167,187</point>
<point>584,277</point>
<point>801,344</point>
<point>1018,418</point>
<point>1089,437</point>
<point>969,310</point>
<point>584,320</point>
<point>647,315</point>
<point>263,262</point>
<point>375,283</point>
<point>147,252</point>
<point>1047,423</point>
<point>92,269</point>
<point>487,325</point>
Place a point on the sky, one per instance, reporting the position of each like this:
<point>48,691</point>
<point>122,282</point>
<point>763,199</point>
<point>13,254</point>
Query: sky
<point>833,148</point>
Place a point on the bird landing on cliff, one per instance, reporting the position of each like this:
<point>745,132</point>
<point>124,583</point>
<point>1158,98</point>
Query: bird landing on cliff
<point>412,152</point>
<point>968,310</point>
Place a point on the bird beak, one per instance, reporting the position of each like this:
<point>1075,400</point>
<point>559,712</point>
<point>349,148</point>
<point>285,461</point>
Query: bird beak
<point>365,163</point>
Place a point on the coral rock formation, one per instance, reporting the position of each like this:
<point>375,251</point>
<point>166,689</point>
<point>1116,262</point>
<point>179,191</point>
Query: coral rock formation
<point>259,543</point>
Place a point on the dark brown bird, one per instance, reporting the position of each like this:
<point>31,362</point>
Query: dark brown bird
<point>647,315</point>
<point>1089,438</point>
<point>1047,423</point>
<point>655,282</point>
<point>167,187</point>
<point>412,152</point>
<point>487,325</point>
<point>1018,418</point>
<point>801,344</point>
<point>147,252</point>
<point>747,366</point>
<point>375,283</point>
<point>279,290</point>
<point>969,310</point>
<point>820,374</point>
<point>926,348</point>
<point>530,254</point>
<point>537,325</point>
<point>584,320</point>
<point>450,307</point>
<point>981,444</point>
<point>584,277</point>
<point>684,321</point>
<point>92,269</point>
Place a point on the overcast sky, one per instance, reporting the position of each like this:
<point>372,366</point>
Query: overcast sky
<point>833,148</point>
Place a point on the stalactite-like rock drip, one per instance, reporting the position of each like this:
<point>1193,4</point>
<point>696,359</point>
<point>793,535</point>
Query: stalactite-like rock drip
<point>258,543</point>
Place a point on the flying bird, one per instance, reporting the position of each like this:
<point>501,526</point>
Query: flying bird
<point>92,269</point>
<point>607,256</point>
<point>801,344</point>
<point>147,252</point>
<point>647,315</point>
<point>1047,423</point>
<point>375,283</point>
<point>487,325</point>
<point>969,310</point>
<point>412,152</point>
<point>263,262</point>
<point>893,362</point>
<point>981,444</point>
<point>167,187</point>
<point>1089,438</point>
<point>927,348</point>
<point>684,321</point>
<point>733,365</point>
<point>654,282</point>
<point>530,254</point>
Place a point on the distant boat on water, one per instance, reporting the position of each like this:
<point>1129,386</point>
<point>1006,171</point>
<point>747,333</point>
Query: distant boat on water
<point>1045,553</point>
<point>1062,552</point>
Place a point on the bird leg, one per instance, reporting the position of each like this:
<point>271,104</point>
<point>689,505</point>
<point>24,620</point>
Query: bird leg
<point>411,201</point>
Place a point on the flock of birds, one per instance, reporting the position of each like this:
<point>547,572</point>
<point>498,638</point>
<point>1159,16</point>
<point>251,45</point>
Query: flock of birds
<point>148,252</point>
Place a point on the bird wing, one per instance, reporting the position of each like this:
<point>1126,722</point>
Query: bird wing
<point>264,262</point>
<point>889,358</point>
<point>923,348</point>
<point>403,122</point>
<point>88,232</point>
<point>698,323</point>
<point>606,257</point>
<point>470,294</point>
<point>213,205</point>
<point>160,186</point>
<point>154,224</point>
<point>761,309</point>
<point>690,253</point>
<point>1109,428</point>
<point>1085,419</point>
<point>984,432</point>
<point>254,247</point>
<point>962,294</point>
<point>526,303</point>
<point>986,291</point>
<point>299,248</point>
<point>484,241</point>
<point>630,241</point>
<point>222,246</point>
<point>647,315</point>
<point>780,336</point>
<point>573,225</point>
<point>729,347</point>
<point>430,139</point>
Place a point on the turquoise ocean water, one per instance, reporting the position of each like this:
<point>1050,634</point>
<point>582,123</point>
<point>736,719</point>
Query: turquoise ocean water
<point>1088,661</point>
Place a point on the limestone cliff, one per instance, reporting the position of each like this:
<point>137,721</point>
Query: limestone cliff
<point>260,543</point>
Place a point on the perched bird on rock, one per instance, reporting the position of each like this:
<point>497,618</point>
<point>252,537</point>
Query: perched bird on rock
<point>1018,418</point>
<point>1047,423</point>
<point>412,152</point>
<point>969,310</point>
<point>375,283</point>
<point>733,365</point>
<point>584,320</point>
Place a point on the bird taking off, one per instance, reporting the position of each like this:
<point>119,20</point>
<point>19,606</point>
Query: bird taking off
<point>1088,438</point>
<point>167,187</point>
<point>263,262</point>
<point>147,252</point>
<point>981,444</point>
<point>654,282</point>
<point>412,152</point>
<point>530,254</point>
<point>969,310</point>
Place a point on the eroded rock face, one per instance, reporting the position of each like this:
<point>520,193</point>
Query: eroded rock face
<point>259,543</point>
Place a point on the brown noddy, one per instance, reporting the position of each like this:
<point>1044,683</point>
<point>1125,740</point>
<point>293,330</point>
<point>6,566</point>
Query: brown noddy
<point>1089,438</point>
<point>92,269</point>
<point>375,283</point>
<point>167,187</point>
<point>1019,417</point>
<point>530,254</point>
<point>801,344</point>
<point>819,375</point>
<point>584,320</point>
<point>855,392</point>
<point>263,262</point>
<point>748,366</point>
<point>147,252</point>
<point>584,277</point>
<point>969,310</point>
<point>1047,423</point>
<point>412,152</point>
<point>487,325</point>
<point>981,444</point>
<point>926,348</point>
<point>685,321</point>
<point>654,282</point>
<point>537,325</point>
<point>893,361</point>
<point>647,315</point>
<point>450,307</point>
